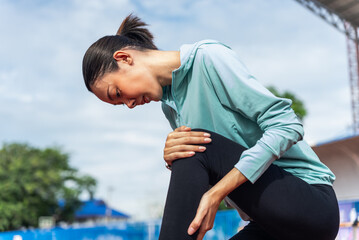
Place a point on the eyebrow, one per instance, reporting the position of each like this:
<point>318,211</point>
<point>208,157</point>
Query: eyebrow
<point>108,94</point>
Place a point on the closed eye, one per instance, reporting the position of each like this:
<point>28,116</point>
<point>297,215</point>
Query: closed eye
<point>118,93</point>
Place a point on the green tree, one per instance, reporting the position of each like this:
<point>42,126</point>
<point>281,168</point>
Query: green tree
<point>32,183</point>
<point>297,105</point>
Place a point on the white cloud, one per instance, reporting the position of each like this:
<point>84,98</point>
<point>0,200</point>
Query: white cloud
<point>44,100</point>
<point>134,138</point>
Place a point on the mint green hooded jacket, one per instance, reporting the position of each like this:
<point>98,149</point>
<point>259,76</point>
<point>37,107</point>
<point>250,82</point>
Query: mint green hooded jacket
<point>213,90</point>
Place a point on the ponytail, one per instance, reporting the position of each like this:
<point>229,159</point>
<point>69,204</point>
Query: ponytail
<point>99,60</point>
<point>133,28</point>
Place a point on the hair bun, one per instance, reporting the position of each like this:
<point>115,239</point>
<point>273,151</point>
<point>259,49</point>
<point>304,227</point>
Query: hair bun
<point>132,27</point>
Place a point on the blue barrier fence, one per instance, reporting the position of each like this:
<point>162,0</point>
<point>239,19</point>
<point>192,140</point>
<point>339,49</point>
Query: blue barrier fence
<point>226,225</point>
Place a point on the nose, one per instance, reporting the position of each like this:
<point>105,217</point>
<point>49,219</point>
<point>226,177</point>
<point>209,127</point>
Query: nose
<point>131,103</point>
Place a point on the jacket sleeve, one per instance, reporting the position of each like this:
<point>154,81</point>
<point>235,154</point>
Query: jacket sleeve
<point>238,90</point>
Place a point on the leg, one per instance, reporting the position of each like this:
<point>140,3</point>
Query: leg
<point>189,181</point>
<point>288,208</point>
<point>282,205</point>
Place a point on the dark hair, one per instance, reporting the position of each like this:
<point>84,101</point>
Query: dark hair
<point>99,60</point>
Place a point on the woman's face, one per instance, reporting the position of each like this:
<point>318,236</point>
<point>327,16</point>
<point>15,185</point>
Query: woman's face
<point>132,85</point>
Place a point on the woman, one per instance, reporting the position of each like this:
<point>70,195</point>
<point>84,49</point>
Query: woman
<point>230,133</point>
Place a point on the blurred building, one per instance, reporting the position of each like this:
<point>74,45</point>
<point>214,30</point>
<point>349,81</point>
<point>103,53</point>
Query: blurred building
<point>342,157</point>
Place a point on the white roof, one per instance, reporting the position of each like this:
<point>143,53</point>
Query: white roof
<point>342,157</point>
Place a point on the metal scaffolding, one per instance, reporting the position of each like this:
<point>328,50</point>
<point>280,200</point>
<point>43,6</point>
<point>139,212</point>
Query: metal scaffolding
<point>353,53</point>
<point>344,16</point>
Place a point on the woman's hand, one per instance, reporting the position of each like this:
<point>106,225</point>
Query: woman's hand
<point>183,142</point>
<point>205,216</point>
<point>208,206</point>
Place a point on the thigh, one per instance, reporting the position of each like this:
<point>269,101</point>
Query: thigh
<point>282,204</point>
<point>252,232</point>
<point>288,208</point>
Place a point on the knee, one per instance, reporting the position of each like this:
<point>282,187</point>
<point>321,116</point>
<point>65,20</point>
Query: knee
<point>188,164</point>
<point>220,144</point>
<point>216,138</point>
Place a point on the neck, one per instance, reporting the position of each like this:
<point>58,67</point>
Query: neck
<point>163,63</point>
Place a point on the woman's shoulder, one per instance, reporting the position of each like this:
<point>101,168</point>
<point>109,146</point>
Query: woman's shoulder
<point>211,51</point>
<point>205,53</point>
<point>207,44</point>
<point>211,45</point>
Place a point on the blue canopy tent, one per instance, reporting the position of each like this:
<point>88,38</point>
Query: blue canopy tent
<point>95,208</point>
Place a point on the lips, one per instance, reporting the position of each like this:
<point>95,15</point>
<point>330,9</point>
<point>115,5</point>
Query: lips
<point>146,99</point>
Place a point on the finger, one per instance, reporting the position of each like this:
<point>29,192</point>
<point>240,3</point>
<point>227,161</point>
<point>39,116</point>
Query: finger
<point>184,148</point>
<point>182,151</point>
<point>177,155</point>
<point>196,223</point>
<point>181,143</point>
<point>188,134</point>
<point>182,128</point>
<point>178,135</point>
<point>187,141</point>
<point>201,234</point>
<point>173,147</point>
<point>206,225</point>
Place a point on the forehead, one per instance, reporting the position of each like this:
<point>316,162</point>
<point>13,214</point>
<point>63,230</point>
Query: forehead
<point>100,89</point>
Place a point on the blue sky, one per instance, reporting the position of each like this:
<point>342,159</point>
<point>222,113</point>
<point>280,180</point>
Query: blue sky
<point>44,101</point>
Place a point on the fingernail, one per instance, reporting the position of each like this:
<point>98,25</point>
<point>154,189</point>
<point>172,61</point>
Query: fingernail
<point>207,139</point>
<point>191,230</point>
<point>207,135</point>
<point>202,148</point>
<point>190,153</point>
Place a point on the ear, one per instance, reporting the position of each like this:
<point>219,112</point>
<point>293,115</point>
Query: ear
<point>123,57</point>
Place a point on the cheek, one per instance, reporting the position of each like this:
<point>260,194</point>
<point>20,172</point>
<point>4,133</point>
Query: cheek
<point>133,89</point>
<point>142,83</point>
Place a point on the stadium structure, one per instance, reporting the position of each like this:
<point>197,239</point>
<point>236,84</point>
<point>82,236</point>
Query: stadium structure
<point>342,155</point>
<point>344,16</point>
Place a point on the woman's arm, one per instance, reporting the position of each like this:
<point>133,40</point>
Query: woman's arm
<point>239,91</point>
<point>210,201</point>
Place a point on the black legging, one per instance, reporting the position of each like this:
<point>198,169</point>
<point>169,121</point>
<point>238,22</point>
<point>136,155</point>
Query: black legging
<point>281,205</point>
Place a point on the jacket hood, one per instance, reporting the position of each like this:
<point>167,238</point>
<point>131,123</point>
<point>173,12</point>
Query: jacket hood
<point>187,56</point>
